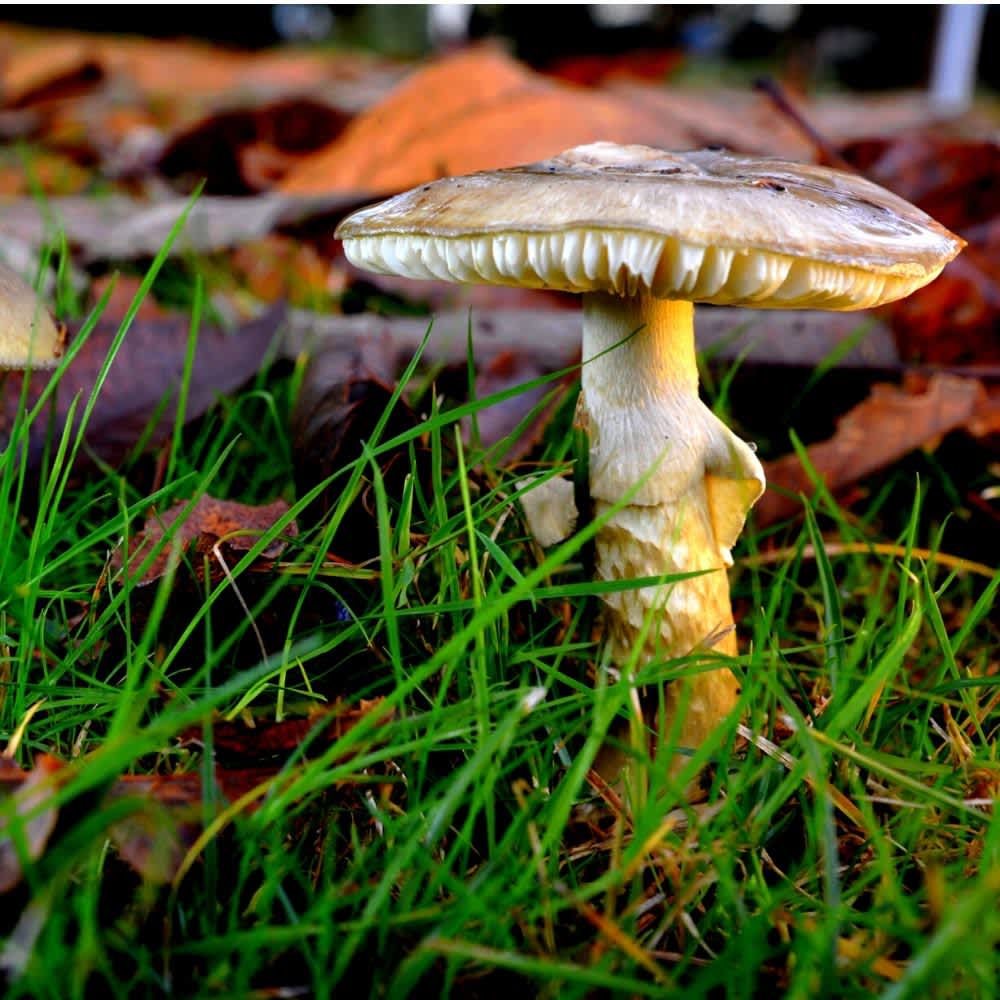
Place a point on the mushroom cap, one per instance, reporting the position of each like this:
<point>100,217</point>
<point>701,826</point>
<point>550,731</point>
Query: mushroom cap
<point>27,332</point>
<point>707,226</point>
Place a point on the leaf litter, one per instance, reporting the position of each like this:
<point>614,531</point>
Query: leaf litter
<point>138,398</point>
<point>221,529</point>
<point>168,808</point>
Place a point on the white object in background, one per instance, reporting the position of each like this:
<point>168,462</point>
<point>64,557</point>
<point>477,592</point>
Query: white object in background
<point>956,57</point>
<point>448,24</point>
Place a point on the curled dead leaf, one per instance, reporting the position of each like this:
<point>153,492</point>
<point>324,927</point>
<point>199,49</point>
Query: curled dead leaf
<point>219,529</point>
<point>879,431</point>
<point>27,821</point>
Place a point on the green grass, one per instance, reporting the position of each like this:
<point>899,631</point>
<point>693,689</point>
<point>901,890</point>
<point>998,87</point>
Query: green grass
<point>450,843</point>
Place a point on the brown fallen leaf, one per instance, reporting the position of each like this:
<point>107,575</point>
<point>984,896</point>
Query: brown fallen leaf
<point>985,421</point>
<point>955,319</point>
<point>113,102</point>
<point>241,743</point>
<point>226,149</point>
<point>873,435</point>
<point>342,398</point>
<point>475,110</point>
<point>146,372</point>
<point>479,109</point>
<point>36,823</point>
<point>351,79</point>
<point>953,179</point>
<point>121,291</point>
<point>155,839</point>
<point>187,71</point>
<point>169,808</point>
<point>50,172</point>
<point>650,65</point>
<point>33,74</point>
<point>277,267</point>
<point>222,529</point>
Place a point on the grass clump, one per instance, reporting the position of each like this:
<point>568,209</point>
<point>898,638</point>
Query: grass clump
<point>452,840</point>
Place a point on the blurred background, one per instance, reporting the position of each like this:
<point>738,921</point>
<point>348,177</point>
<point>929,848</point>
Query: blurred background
<point>862,46</point>
<point>287,117</point>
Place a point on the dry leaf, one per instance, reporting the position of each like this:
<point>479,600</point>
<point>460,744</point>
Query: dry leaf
<point>876,433</point>
<point>266,739</point>
<point>35,73</point>
<point>154,839</point>
<point>146,373</point>
<point>955,319</point>
<point>480,110</point>
<point>278,267</point>
<point>473,111</point>
<point>234,528</point>
<point>193,70</point>
<point>36,824</point>
<point>50,172</point>
<point>650,65</point>
<point>226,149</point>
<point>121,290</point>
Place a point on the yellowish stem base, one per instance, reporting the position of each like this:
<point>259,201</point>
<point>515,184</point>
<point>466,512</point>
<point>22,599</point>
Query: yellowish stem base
<point>655,624</point>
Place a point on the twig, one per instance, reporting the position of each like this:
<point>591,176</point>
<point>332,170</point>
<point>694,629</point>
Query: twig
<point>828,155</point>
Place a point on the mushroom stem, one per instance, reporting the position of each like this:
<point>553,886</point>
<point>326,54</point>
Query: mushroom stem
<point>694,482</point>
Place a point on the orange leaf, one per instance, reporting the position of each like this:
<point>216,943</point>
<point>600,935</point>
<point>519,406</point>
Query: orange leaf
<point>477,110</point>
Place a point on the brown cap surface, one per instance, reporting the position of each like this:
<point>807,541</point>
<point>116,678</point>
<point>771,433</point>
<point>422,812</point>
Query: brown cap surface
<point>27,332</point>
<point>708,226</point>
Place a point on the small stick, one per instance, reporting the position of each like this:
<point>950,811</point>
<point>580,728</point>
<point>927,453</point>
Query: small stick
<point>773,90</point>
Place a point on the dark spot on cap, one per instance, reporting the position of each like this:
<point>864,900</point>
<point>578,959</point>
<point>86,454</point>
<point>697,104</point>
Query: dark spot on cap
<point>872,204</point>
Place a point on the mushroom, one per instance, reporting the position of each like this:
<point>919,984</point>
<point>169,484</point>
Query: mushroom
<point>28,337</point>
<point>642,234</point>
